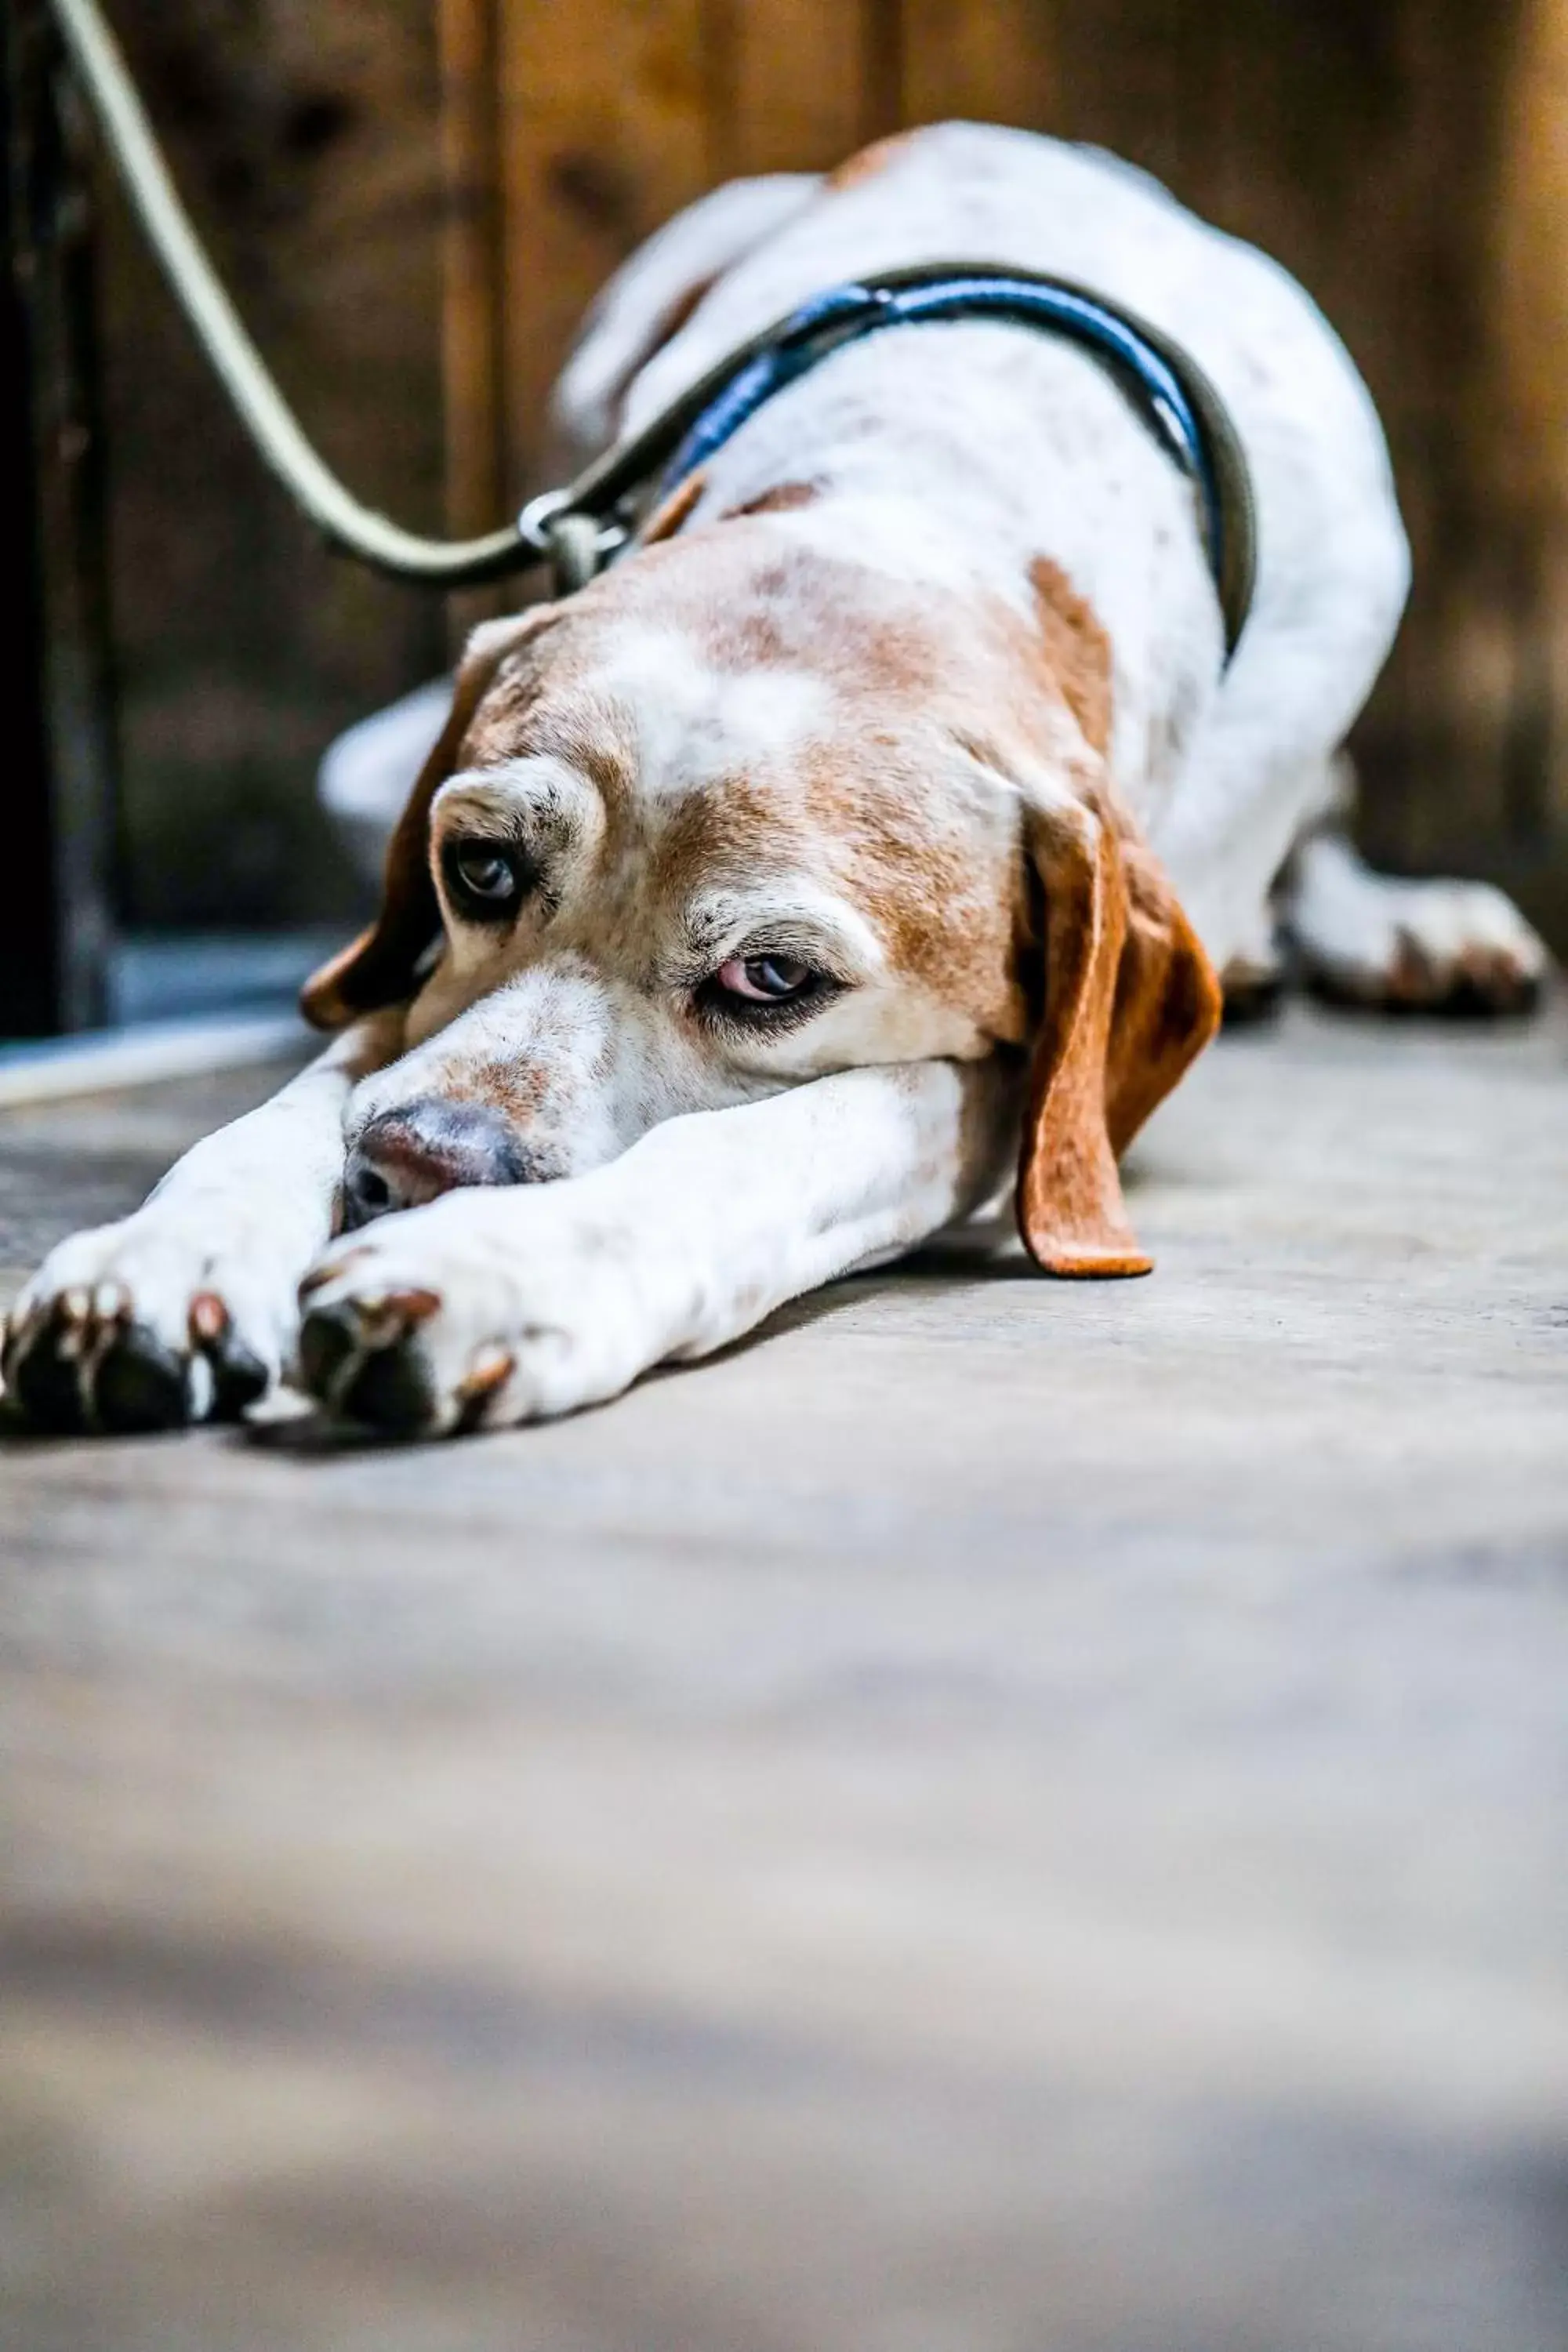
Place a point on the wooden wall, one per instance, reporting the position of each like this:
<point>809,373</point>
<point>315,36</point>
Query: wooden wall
<point>305,137</point>
<point>1407,158</point>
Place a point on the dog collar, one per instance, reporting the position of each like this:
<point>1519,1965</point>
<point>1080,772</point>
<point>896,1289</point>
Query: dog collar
<point>1162,383</point>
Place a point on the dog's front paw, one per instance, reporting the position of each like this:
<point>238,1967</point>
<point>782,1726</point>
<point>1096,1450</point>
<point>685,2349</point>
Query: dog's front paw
<point>481,1311</point>
<point>135,1327</point>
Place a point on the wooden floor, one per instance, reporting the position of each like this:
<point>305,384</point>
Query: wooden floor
<point>1002,1818</point>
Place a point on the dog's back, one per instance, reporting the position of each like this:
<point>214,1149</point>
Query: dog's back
<point>1328,523</point>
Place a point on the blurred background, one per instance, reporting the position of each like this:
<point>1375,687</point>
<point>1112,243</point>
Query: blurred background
<point>412,201</point>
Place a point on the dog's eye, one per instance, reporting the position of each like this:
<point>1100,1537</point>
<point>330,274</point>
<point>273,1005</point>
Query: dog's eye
<point>484,878</point>
<point>764,980</point>
<point>765,992</point>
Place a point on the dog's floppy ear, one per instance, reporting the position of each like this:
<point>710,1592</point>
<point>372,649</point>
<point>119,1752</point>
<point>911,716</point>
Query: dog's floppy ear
<point>1130,999</point>
<point>381,966</point>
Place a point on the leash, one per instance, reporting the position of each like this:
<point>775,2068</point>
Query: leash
<point>584,525</point>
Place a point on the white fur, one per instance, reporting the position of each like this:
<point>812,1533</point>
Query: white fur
<point>692,726</point>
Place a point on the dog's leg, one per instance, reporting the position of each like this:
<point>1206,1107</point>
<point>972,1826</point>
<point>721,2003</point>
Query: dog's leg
<point>1258,766</point>
<point>185,1311</point>
<point>1368,939</point>
<point>496,1307</point>
<point>1261,818</point>
<point>1258,970</point>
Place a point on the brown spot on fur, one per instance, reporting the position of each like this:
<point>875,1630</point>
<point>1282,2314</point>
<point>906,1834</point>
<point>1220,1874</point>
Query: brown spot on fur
<point>666,519</point>
<point>516,1086</point>
<point>1076,650</point>
<point>907,859</point>
<point>784,499</point>
<point>684,308</point>
<point>497,678</point>
<point>413,1305</point>
<point>720,829</point>
<point>865,165</point>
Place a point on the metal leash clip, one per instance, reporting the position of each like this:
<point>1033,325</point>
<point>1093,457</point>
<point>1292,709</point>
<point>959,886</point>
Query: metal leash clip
<point>576,545</point>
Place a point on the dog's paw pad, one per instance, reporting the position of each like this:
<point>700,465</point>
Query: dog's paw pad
<point>328,1343</point>
<point>142,1385</point>
<point>364,1360</point>
<point>393,1391</point>
<point>1493,981</point>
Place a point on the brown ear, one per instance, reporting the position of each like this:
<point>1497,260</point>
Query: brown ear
<point>381,966</point>
<point>1130,999</point>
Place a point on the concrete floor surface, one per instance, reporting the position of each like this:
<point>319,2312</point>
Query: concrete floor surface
<point>1000,1817</point>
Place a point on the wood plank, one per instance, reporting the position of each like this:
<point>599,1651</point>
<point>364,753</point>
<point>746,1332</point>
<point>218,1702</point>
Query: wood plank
<point>991,64</point>
<point>472,270</point>
<point>1528,425</point>
<point>305,140</point>
<point>472,265</point>
<point>56,916</point>
<point>603,135</point>
<point>787,87</point>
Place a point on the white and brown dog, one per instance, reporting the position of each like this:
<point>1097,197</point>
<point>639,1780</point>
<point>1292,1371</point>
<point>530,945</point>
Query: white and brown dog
<point>892,794</point>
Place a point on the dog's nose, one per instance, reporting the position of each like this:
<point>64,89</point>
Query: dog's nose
<point>412,1155</point>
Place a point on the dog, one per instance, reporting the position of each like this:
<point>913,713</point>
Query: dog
<point>865,839</point>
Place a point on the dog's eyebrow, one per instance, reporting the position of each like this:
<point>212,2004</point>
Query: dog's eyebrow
<point>535,786</point>
<point>800,919</point>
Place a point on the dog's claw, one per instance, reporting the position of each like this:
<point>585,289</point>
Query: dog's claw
<point>334,1270</point>
<point>209,1318</point>
<point>491,1368</point>
<point>488,1372</point>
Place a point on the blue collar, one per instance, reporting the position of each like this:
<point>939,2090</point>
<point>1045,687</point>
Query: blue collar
<point>1162,383</point>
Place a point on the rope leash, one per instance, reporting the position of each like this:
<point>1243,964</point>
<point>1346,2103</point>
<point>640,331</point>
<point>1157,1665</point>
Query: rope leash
<point>343,520</point>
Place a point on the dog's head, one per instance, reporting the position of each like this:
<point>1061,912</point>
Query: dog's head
<point>744,812</point>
